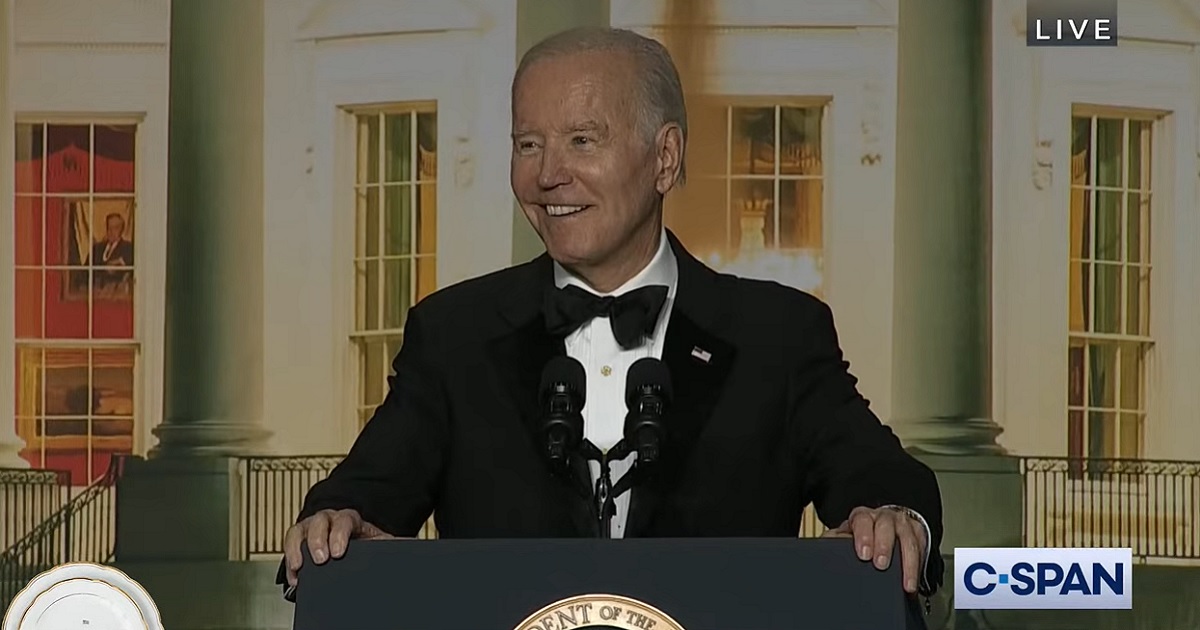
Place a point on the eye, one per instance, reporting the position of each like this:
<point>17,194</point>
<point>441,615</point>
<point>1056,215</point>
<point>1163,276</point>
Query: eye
<point>581,140</point>
<point>526,145</point>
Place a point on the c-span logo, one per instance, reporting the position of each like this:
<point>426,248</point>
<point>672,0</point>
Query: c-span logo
<point>1064,578</point>
<point>599,611</point>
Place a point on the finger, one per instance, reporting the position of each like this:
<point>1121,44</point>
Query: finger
<point>292,557</point>
<point>885,539</point>
<point>910,553</point>
<point>343,525</point>
<point>372,532</point>
<point>318,537</point>
<point>862,525</point>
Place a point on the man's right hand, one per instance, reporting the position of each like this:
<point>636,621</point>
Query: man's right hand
<point>327,533</point>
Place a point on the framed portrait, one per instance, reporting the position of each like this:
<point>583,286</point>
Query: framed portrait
<point>98,239</point>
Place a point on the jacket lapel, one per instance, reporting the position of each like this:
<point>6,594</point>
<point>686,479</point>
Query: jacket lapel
<point>519,357</point>
<point>699,361</point>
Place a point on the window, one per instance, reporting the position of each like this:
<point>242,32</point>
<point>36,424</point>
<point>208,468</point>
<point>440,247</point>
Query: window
<point>74,248</point>
<point>1111,203</point>
<point>395,195</point>
<point>766,162</point>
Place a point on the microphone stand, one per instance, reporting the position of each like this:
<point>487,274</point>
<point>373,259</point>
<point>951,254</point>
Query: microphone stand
<point>606,493</point>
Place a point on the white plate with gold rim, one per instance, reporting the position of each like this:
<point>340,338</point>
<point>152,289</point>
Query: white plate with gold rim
<point>82,596</point>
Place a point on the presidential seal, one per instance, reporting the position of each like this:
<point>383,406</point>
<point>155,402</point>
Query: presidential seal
<point>82,595</point>
<point>599,611</point>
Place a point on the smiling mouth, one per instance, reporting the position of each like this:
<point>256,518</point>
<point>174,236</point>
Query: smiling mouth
<point>563,211</point>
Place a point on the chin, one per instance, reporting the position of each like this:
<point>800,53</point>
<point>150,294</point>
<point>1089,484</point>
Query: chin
<point>572,251</point>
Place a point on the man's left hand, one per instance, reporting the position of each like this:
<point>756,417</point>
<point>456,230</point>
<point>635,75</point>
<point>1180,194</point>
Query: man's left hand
<point>876,531</point>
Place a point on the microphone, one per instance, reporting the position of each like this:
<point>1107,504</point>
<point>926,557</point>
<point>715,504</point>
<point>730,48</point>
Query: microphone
<point>561,397</point>
<point>648,396</point>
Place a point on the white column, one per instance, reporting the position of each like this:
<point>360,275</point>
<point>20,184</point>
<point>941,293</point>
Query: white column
<point>940,367</point>
<point>10,443</point>
<point>213,396</point>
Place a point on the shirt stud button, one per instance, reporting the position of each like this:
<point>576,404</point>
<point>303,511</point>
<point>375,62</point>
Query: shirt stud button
<point>606,370</point>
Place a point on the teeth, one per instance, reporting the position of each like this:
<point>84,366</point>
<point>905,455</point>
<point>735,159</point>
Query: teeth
<point>560,211</point>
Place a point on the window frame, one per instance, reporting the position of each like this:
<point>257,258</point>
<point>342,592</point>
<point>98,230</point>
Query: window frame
<point>1144,343</point>
<point>143,418</point>
<point>777,103</point>
<point>358,338</point>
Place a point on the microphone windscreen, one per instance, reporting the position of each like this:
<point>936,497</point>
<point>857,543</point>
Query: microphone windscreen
<point>563,370</point>
<point>648,372</point>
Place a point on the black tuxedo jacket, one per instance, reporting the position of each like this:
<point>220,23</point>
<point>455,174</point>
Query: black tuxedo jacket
<point>769,423</point>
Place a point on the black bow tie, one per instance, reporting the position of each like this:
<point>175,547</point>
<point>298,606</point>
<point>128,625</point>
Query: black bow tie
<point>632,315</point>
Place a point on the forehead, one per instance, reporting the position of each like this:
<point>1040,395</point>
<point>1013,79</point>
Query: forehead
<point>589,84</point>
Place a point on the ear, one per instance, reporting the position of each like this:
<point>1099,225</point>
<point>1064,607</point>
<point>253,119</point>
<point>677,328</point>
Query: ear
<point>669,145</point>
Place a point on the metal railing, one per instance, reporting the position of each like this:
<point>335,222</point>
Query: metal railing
<point>1150,506</point>
<point>83,529</point>
<point>273,490</point>
<point>28,497</point>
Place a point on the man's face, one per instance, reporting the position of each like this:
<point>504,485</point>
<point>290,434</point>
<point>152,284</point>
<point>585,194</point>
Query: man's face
<point>116,227</point>
<point>587,178</point>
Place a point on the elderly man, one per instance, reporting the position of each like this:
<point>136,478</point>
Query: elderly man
<point>766,417</point>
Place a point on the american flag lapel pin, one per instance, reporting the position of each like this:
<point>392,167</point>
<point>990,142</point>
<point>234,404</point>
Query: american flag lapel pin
<point>703,355</point>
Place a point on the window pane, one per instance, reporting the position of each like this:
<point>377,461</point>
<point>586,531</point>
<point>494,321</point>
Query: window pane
<point>66,304</point>
<point>1075,434</point>
<point>1137,302</point>
<point>27,223</point>
<point>1139,154</point>
<point>1132,371</point>
<point>30,150</point>
<point>112,259</point>
<point>367,294</point>
<point>398,140</point>
<point>1081,145</point>
<point>800,141</point>
<point>367,222</point>
<point>67,380</point>
<point>113,382</point>
<point>1137,231</point>
<point>1080,296</point>
<point>1076,373</point>
<point>1131,435</point>
<point>68,163</point>
<point>753,151</point>
<point>1108,298</point>
<point>1081,223</point>
<point>28,303</point>
<point>426,276</point>
<point>68,231</point>
<point>398,289</point>
<point>1109,147</point>
<point>374,371</point>
<point>750,201</point>
<point>1102,375</point>
<point>367,164</point>
<point>427,219</point>
<point>800,216</point>
<point>427,144</point>
<point>29,382</point>
<point>1108,225</point>
<point>115,148</point>
<point>1102,434</point>
<point>398,220</point>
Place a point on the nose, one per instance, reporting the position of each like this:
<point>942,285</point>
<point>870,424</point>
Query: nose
<point>553,171</point>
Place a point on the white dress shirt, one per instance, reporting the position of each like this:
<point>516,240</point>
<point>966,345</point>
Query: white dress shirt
<point>605,362</point>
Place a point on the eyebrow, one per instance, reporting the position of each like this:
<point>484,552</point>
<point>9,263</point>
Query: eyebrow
<point>584,125</point>
<point>587,125</point>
